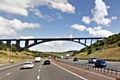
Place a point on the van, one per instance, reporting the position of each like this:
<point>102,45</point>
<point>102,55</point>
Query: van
<point>37,59</point>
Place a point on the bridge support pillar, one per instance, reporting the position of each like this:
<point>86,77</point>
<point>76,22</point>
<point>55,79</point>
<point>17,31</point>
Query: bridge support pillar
<point>26,44</point>
<point>35,41</point>
<point>18,45</point>
<point>91,41</point>
<point>8,43</point>
<point>85,41</point>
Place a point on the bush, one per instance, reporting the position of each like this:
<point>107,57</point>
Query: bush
<point>14,49</point>
<point>89,51</point>
<point>119,44</point>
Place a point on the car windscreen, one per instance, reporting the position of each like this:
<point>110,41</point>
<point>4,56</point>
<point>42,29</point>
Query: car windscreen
<point>27,63</point>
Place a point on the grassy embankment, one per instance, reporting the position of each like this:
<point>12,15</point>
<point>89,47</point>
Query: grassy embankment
<point>7,57</point>
<point>108,54</point>
<point>108,48</point>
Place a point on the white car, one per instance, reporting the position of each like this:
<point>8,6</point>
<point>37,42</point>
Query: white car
<point>27,65</point>
<point>37,59</point>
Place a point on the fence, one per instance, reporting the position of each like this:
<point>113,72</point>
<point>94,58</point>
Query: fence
<point>89,67</point>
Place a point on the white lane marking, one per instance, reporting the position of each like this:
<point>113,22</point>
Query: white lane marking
<point>92,73</point>
<point>70,72</point>
<point>38,77</point>
<point>8,73</point>
<point>9,66</point>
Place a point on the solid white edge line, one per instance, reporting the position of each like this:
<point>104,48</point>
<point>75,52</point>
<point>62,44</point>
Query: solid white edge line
<point>70,72</point>
<point>93,73</point>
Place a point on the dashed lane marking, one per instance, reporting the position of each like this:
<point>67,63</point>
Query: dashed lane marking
<point>38,77</point>
<point>8,73</point>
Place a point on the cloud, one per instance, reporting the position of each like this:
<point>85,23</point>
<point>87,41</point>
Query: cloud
<point>10,27</point>
<point>86,19</point>
<point>78,27</point>
<point>21,7</point>
<point>100,12</point>
<point>114,18</point>
<point>37,13</point>
<point>15,6</point>
<point>62,5</point>
<point>69,35</point>
<point>26,37</point>
<point>6,31</point>
<point>54,45</point>
<point>96,31</point>
<point>40,15</point>
<point>49,18</point>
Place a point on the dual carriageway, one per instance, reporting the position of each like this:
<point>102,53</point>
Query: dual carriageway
<point>55,71</point>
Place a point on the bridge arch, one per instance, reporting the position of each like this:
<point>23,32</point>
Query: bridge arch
<point>43,40</point>
<point>33,44</point>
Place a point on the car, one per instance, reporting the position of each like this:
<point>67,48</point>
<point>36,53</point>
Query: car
<point>27,65</point>
<point>46,62</point>
<point>37,59</point>
<point>75,59</point>
<point>100,63</point>
<point>92,60</point>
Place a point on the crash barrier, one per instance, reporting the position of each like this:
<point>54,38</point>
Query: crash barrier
<point>89,67</point>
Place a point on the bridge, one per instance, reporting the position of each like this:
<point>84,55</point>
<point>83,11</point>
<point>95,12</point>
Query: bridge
<point>43,40</point>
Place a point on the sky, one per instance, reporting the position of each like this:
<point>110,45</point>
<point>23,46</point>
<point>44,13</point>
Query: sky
<point>22,19</point>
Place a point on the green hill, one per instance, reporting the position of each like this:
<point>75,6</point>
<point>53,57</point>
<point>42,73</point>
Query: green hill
<point>108,48</point>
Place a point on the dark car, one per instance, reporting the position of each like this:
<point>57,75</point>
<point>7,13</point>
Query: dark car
<point>75,59</point>
<point>100,63</point>
<point>46,62</point>
<point>92,60</point>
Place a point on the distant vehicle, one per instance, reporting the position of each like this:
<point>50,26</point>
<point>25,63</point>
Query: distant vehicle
<point>37,59</point>
<point>27,65</point>
<point>67,56</point>
<point>92,60</point>
<point>49,57</point>
<point>100,63</point>
<point>46,62</point>
<point>61,57</point>
<point>75,59</point>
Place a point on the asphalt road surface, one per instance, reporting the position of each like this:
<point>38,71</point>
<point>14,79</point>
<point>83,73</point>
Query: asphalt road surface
<point>110,64</point>
<point>39,72</point>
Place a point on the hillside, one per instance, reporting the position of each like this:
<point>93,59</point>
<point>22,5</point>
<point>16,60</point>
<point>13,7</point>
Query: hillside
<point>7,57</point>
<point>62,53</point>
<point>108,48</point>
<point>11,55</point>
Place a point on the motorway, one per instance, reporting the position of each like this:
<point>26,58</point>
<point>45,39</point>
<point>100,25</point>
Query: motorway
<point>39,72</point>
<point>110,64</point>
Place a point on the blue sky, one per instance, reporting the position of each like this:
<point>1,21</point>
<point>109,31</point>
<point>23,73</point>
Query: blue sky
<point>58,19</point>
